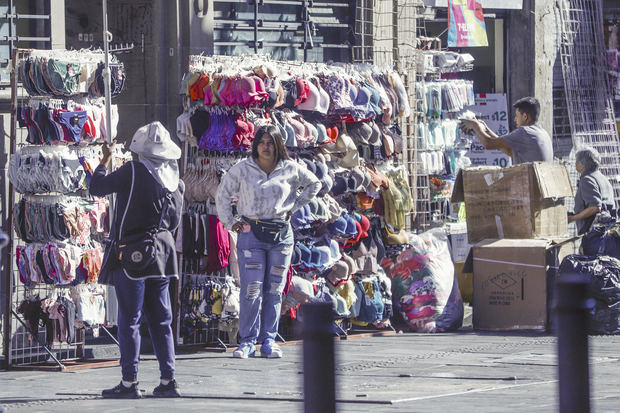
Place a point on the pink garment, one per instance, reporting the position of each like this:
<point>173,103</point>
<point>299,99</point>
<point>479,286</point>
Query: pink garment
<point>289,278</point>
<point>300,130</point>
<point>227,91</point>
<point>84,224</point>
<point>261,90</point>
<point>233,262</point>
<point>244,133</point>
<point>57,320</point>
<point>97,214</point>
<point>218,245</point>
<point>312,102</point>
<point>208,96</point>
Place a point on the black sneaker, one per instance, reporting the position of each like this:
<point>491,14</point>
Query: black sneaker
<point>122,392</point>
<point>169,390</point>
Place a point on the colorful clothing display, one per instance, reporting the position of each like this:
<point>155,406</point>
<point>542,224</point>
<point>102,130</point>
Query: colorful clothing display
<point>339,126</point>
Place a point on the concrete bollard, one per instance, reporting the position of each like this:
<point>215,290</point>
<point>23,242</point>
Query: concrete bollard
<point>319,360</point>
<point>572,305</point>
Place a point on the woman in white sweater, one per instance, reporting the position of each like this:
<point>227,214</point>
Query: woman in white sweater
<point>268,187</point>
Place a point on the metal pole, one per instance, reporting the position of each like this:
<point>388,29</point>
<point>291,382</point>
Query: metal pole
<point>255,26</point>
<point>11,22</point>
<point>35,336</point>
<point>110,334</point>
<point>318,342</point>
<point>304,14</point>
<point>8,286</point>
<point>572,307</point>
<point>107,38</point>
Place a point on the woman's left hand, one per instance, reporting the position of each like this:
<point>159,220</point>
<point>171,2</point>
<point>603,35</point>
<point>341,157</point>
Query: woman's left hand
<point>238,227</point>
<point>108,150</point>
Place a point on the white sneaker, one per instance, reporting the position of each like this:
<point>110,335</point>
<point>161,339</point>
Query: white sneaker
<point>270,350</point>
<point>244,351</point>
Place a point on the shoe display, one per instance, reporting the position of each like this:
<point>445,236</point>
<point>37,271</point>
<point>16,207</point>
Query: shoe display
<point>169,390</point>
<point>244,351</point>
<point>270,350</point>
<point>122,392</point>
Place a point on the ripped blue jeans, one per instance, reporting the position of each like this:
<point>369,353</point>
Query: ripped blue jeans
<point>263,269</point>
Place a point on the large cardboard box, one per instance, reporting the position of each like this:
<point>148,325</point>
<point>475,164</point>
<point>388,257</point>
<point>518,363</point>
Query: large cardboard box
<point>513,282</point>
<point>521,201</point>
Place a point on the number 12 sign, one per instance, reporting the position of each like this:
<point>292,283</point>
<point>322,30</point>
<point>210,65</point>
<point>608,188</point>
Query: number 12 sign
<point>491,108</point>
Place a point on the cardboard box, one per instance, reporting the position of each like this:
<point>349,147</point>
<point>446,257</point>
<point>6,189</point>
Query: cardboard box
<point>513,282</point>
<point>521,201</point>
<point>459,243</point>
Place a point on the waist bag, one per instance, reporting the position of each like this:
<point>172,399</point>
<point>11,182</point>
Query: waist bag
<point>268,230</point>
<point>137,252</point>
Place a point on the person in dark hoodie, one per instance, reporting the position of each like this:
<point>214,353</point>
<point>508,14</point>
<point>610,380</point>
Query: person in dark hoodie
<point>149,198</point>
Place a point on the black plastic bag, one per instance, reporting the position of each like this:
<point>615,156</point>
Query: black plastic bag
<point>604,275</point>
<point>602,240</point>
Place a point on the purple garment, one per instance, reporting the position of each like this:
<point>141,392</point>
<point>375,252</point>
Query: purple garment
<point>74,122</point>
<point>89,175</point>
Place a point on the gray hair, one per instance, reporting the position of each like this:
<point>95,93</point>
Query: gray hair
<point>588,158</point>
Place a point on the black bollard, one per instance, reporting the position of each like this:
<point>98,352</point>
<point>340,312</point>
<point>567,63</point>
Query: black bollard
<point>572,306</point>
<point>319,361</point>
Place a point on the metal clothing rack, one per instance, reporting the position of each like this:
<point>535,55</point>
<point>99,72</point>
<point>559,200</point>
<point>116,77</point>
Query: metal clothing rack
<point>582,86</point>
<point>208,334</point>
<point>16,340</point>
<point>200,62</point>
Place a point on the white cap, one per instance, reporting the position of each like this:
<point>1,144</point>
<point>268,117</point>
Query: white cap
<point>153,141</point>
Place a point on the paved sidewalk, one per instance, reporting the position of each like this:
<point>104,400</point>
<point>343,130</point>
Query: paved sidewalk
<point>464,372</point>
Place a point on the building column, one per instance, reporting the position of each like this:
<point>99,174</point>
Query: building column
<point>530,56</point>
<point>57,25</point>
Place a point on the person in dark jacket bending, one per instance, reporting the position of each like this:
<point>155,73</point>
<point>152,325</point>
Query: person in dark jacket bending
<point>141,189</point>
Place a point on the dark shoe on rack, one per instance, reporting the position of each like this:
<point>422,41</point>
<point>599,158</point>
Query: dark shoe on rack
<point>169,390</point>
<point>122,392</point>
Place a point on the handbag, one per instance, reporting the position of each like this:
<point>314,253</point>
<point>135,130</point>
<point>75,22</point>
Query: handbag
<point>138,251</point>
<point>270,231</point>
